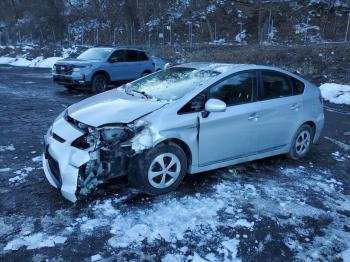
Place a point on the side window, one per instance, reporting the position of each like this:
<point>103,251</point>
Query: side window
<point>195,105</point>
<point>118,56</point>
<point>132,56</point>
<point>141,56</point>
<point>298,86</point>
<point>238,89</point>
<point>275,85</point>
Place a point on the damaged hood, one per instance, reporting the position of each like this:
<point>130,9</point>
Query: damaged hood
<point>114,106</point>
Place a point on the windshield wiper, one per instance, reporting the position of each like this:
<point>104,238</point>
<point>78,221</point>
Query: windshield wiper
<point>142,93</point>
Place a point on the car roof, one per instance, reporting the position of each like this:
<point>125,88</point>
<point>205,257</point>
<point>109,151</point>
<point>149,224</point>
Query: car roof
<point>114,48</point>
<point>225,68</point>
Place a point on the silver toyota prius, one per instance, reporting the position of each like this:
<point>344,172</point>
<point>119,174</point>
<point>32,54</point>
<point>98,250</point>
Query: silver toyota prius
<point>187,119</point>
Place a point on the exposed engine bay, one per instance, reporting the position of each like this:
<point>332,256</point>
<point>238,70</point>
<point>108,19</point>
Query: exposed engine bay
<point>111,148</point>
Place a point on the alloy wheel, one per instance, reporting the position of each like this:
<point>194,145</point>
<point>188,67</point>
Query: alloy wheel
<point>164,170</point>
<point>101,84</point>
<point>302,142</point>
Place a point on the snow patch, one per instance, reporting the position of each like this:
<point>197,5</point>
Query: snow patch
<point>39,62</point>
<point>7,148</point>
<point>21,175</point>
<point>96,257</point>
<point>231,249</point>
<point>243,223</point>
<point>173,258</point>
<point>35,241</point>
<point>37,159</point>
<point>336,93</point>
<point>345,255</point>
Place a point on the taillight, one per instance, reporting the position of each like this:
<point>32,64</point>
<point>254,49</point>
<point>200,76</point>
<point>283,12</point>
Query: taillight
<point>321,99</point>
<point>168,65</point>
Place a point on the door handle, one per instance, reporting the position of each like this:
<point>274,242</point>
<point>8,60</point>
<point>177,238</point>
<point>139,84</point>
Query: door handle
<point>295,107</point>
<point>254,117</point>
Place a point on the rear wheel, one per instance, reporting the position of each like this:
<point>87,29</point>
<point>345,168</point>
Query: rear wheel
<point>160,170</point>
<point>301,143</point>
<point>99,84</point>
<point>145,73</point>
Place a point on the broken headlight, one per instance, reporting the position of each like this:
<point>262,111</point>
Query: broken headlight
<point>116,133</point>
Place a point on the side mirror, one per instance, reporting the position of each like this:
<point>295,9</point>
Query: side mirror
<point>214,105</point>
<point>113,60</point>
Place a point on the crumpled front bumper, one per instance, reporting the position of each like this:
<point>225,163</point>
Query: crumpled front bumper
<point>61,161</point>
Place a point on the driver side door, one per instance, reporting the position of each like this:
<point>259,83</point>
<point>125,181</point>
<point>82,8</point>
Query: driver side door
<point>230,135</point>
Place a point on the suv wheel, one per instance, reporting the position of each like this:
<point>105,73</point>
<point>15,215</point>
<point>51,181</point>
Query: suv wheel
<point>160,170</point>
<point>69,87</point>
<point>99,84</point>
<point>301,143</point>
<point>145,73</point>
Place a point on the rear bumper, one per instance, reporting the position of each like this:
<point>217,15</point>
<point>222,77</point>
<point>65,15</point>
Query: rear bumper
<point>319,127</point>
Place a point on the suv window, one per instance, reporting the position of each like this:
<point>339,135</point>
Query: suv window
<point>235,90</point>
<point>132,56</point>
<point>118,56</point>
<point>298,86</point>
<point>141,56</point>
<point>275,85</point>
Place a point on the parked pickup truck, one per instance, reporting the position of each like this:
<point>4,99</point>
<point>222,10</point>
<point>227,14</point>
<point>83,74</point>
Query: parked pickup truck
<point>98,67</point>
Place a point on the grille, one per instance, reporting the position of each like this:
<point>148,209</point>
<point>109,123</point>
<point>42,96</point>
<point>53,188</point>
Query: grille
<point>64,69</point>
<point>55,170</point>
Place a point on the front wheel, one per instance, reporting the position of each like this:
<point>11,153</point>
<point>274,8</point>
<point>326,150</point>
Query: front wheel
<point>160,169</point>
<point>301,143</point>
<point>99,84</point>
<point>70,88</point>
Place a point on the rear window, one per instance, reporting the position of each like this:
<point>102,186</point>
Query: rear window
<point>298,86</point>
<point>275,85</point>
<point>134,56</point>
<point>141,56</point>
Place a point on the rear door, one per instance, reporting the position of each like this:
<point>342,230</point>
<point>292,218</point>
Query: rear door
<point>118,70</point>
<point>280,110</point>
<point>137,63</point>
<point>146,64</point>
<point>232,134</point>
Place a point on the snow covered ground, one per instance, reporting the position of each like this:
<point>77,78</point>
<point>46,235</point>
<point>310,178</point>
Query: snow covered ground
<point>39,62</point>
<point>269,209</point>
<point>335,93</point>
<point>238,212</point>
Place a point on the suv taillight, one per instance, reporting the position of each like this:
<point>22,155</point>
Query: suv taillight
<point>168,65</point>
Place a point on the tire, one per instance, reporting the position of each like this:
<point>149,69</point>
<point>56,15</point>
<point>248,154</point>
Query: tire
<point>301,142</point>
<point>145,73</point>
<point>149,177</point>
<point>99,84</point>
<point>69,87</point>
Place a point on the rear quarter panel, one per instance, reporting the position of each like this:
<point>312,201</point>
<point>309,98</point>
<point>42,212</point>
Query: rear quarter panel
<point>313,108</point>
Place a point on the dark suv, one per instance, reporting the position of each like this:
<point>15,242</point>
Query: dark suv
<point>98,67</point>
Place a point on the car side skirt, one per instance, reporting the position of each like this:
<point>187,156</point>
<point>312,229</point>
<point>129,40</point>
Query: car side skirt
<point>239,159</point>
